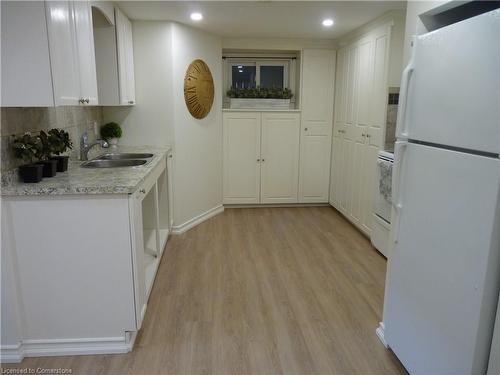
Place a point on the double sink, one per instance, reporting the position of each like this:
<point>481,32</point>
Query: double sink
<point>116,160</point>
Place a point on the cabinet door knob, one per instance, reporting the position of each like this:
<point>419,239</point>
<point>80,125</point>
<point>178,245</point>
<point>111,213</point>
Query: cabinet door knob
<point>143,191</point>
<point>363,135</point>
<point>87,100</point>
<point>368,135</point>
<point>258,160</point>
<point>263,160</point>
<point>130,102</point>
<point>81,100</point>
<point>305,129</point>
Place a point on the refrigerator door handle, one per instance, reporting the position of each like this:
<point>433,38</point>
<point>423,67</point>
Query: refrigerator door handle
<point>401,125</point>
<point>399,152</point>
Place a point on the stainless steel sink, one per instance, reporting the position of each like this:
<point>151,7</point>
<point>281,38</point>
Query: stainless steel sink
<point>100,163</point>
<point>121,156</point>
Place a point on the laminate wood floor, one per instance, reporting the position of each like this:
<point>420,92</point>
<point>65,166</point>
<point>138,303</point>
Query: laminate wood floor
<point>258,291</point>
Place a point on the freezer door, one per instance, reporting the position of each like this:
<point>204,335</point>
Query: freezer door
<point>453,86</point>
<point>443,273</point>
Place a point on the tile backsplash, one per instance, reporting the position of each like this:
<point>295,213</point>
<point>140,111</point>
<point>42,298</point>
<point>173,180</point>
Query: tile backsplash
<point>16,121</point>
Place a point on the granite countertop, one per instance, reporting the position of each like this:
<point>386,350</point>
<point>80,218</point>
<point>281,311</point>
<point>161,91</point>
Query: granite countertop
<point>77,180</point>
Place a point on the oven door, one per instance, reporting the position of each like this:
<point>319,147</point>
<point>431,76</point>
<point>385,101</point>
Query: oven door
<point>383,184</point>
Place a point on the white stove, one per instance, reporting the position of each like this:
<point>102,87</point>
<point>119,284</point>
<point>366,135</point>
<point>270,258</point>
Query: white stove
<point>382,202</point>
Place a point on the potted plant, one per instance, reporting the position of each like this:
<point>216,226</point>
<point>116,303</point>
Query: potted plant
<point>49,165</point>
<point>259,97</point>
<point>111,132</point>
<point>60,143</point>
<point>28,148</point>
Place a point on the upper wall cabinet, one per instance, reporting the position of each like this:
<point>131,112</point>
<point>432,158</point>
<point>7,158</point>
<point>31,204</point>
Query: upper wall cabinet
<point>58,53</point>
<point>318,76</point>
<point>114,56</point>
<point>71,44</point>
<point>125,58</point>
<point>25,64</point>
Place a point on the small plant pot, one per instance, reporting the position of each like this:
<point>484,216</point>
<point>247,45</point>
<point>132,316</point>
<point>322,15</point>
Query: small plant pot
<point>113,142</point>
<point>62,162</point>
<point>49,167</point>
<point>31,172</point>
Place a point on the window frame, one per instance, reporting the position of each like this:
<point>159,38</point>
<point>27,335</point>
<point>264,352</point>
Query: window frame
<point>258,62</point>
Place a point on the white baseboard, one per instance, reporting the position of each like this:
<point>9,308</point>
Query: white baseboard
<point>178,229</point>
<point>274,205</point>
<point>61,347</point>
<point>380,331</point>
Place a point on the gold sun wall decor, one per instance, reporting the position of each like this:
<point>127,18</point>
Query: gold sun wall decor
<point>198,89</point>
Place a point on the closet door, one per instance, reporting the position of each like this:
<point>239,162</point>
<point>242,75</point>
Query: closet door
<point>241,150</point>
<point>280,157</point>
<point>86,52</point>
<point>375,130</point>
<point>63,52</point>
<point>337,179</point>
<point>318,75</point>
<point>364,88</point>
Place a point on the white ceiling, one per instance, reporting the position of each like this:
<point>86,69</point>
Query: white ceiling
<point>269,19</point>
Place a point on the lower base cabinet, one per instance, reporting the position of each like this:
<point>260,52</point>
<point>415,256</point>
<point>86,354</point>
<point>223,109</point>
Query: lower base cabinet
<point>77,270</point>
<point>261,157</point>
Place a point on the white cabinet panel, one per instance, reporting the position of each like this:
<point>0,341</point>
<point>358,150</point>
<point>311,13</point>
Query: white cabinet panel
<point>359,129</point>
<point>86,52</point>
<point>125,58</point>
<point>63,52</point>
<point>280,157</point>
<point>26,76</point>
<point>318,76</point>
<point>241,132</point>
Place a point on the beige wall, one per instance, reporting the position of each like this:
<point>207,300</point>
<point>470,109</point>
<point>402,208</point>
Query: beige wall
<point>276,44</point>
<point>150,120</point>
<point>198,143</point>
<point>413,23</point>
<point>162,52</point>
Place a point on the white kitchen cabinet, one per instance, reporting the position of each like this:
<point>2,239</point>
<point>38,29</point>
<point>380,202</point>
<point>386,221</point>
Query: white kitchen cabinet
<point>63,53</point>
<point>359,126</point>
<point>71,45</point>
<point>125,58</point>
<point>102,252</point>
<point>86,51</point>
<point>261,157</point>
<point>279,157</point>
<point>25,64</point>
<point>318,77</point>
<point>241,148</point>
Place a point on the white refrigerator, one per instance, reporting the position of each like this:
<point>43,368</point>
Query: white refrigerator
<point>443,276</point>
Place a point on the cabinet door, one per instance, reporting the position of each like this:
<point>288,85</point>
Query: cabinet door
<point>280,157</point>
<point>316,125</point>
<point>25,65</point>
<point>63,52</point>
<point>86,52</point>
<point>364,84</point>
<point>241,133</point>
<point>337,164</point>
<point>136,230</point>
<point>125,58</point>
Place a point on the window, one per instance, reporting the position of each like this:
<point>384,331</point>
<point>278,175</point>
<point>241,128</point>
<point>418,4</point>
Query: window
<point>243,76</point>
<point>258,72</point>
<point>272,76</point>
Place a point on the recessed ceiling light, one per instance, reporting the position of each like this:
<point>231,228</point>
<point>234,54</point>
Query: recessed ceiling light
<point>327,22</point>
<point>196,16</point>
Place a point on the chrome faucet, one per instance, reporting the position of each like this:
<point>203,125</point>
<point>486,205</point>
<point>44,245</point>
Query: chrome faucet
<point>85,146</point>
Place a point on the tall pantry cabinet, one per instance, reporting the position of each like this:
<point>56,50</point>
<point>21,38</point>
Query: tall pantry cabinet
<point>359,124</point>
<point>318,75</point>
